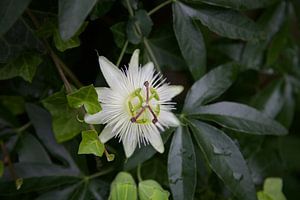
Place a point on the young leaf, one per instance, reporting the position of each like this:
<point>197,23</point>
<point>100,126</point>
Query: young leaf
<point>225,159</point>
<point>211,86</point>
<point>87,97</point>
<point>90,144</point>
<point>182,165</point>
<point>10,11</point>
<point>123,187</point>
<point>24,66</point>
<point>151,190</point>
<point>71,15</point>
<point>189,38</point>
<point>64,119</point>
<point>239,117</point>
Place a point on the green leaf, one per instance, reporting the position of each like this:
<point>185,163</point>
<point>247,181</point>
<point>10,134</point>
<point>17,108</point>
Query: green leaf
<point>225,159</point>
<point>1,168</point>
<point>64,119</point>
<point>16,104</point>
<point>90,144</point>
<point>271,21</point>
<point>145,153</point>
<point>189,38</point>
<point>71,15</point>
<point>29,144</point>
<point>24,66</point>
<point>41,121</point>
<point>165,49</point>
<point>101,8</point>
<point>10,11</point>
<point>123,187</point>
<point>211,86</point>
<point>273,189</point>
<point>270,100</point>
<point>228,23</point>
<point>262,196</point>
<point>19,39</point>
<point>151,190</point>
<point>182,165</point>
<point>87,97</point>
<point>239,117</point>
<point>73,42</point>
<point>238,4</point>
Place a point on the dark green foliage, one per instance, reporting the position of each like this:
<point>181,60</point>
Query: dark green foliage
<point>238,60</point>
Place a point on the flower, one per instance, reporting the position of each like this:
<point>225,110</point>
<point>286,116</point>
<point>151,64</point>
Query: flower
<point>136,106</point>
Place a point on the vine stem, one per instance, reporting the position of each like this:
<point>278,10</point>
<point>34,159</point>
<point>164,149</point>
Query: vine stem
<point>23,128</point>
<point>57,61</point>
<point>6,157</point>
<point>151,54</point>
<point>159,7</point>
<point>122,53</point>
<point>106,171</point>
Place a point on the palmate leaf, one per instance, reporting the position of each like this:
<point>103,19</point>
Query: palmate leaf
<point>71,15</point>
<point>238,4</point>
<point>91,144</point>
<point>24,66</point>
<point>189,38</point>
<point>64,118</point>
<point>239,117</point>
<point>87,97</point>
<point>10,11</point>
<point>211,86</point>
<point>182,165</point>
<point>123,187</point>
<point>224,158</point>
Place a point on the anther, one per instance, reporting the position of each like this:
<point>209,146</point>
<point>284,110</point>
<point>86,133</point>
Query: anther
<point>146,84</point>
<point>154,120</point>
<point>133,119</point>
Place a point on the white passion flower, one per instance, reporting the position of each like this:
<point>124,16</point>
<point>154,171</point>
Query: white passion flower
<point>136,106</point>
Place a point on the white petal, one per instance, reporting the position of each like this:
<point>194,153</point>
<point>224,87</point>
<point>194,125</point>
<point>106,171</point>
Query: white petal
<point>147,72</point>
<point>111,73</point>
<point>175,90</point>
<point>102,92</point>
<point>95,118</point>
<point>155,139</point>
<point>168,119</point>
<point>106,134</point>
<point>129,146</point>
<point>134,61</point>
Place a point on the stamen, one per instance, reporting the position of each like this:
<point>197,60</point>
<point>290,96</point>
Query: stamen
<point>146,84</point>
<point>153,114</point>
<point>133,119</point>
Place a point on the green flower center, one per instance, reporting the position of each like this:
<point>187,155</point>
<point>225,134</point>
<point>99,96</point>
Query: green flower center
<point>143,106</point>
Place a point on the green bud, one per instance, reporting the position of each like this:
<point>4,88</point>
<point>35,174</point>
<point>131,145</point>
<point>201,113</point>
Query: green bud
<point>151,190</point>
<point>123,187</point>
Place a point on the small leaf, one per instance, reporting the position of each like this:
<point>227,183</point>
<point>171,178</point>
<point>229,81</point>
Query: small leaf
<point>123,187</point>
<point>262,196</point>
<point>73,42</point>
<point>87,97</point>
<point>1,168</point>
<point>151,190</point>
<point>225,159</point>
<point>239,117</point>
<point>189,38</point>
<point>10,11</point>
<point>211,86</point>
<point>90,144</point>
<point>182,165</point>
<point>24,66</point>
<point>71,15</point>
<point>64,119</point>
<point>16,104</point>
